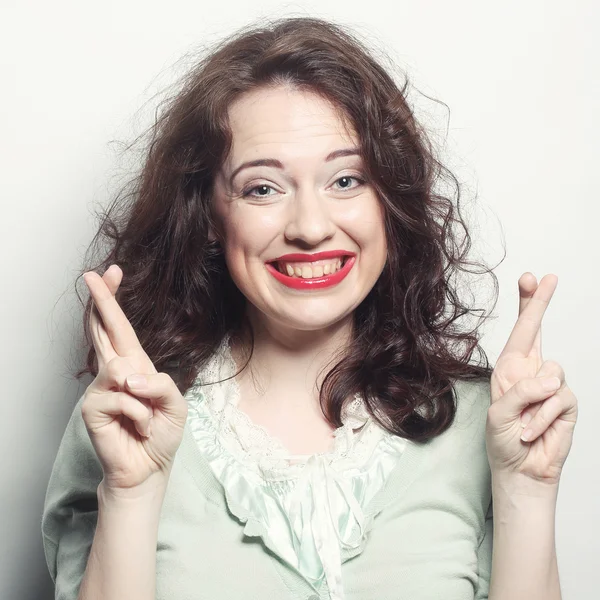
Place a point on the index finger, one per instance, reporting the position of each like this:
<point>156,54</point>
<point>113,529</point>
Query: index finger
<point>117,325</point>
<point>529,322</point>
<point>102,344</point>
<point>527,286</point>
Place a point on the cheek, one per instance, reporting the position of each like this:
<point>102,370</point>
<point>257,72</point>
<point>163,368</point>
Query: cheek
<point>366,222</point>
<point>247,233</point>
<point>376,224</point>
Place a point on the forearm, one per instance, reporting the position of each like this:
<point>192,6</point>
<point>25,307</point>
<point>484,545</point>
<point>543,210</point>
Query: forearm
<point>122,560</point>
<point>524,565</point>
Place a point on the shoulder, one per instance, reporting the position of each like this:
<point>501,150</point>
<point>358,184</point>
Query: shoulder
<point>464,440</point>
<point>458,456</point>
<point>472,399</point>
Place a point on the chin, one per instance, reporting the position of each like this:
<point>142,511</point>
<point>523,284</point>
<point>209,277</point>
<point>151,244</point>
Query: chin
<point>310,320</point>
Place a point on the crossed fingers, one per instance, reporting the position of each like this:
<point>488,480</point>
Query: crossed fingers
<point>112,333</point>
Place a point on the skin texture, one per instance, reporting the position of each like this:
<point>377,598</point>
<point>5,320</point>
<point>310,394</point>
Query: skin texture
<point>517,391</point>
<point>307,207</point>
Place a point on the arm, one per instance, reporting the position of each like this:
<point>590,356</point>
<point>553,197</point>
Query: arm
<point>122,560</point>
<point>84,532</point>
<point>71,508</point>
<point>524,565</point>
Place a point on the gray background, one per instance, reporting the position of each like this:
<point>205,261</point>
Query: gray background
<point>521,81</point>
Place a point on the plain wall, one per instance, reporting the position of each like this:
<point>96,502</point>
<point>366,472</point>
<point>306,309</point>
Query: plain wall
<point>521,82</point>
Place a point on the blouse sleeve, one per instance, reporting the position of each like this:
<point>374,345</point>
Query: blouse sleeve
<point>71,508</point>
<point>484,557</point>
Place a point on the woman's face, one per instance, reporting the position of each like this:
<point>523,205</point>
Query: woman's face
<point>306,198</point>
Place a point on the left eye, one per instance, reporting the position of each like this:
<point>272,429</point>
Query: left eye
<point>346,177</point>
<point>263,186</point>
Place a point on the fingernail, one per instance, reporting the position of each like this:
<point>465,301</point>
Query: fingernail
<point>551,383</point>
<point>137,381</point>
<point>526,435</point>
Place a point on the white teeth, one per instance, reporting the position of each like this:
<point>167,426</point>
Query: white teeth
<point>306,271</point>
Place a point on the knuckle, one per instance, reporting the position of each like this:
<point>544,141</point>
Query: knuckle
<point>526,387</point>
<point>164,382</point>
<point>112,368</point>
<point>164,379</point>
<point>554,368</point>
<point>121,400</point>
<point>117,369</point>
<point>541,419</point>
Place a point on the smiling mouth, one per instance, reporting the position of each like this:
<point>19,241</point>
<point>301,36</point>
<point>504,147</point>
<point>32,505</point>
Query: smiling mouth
<point>310,270</point>
<point>312,275</point>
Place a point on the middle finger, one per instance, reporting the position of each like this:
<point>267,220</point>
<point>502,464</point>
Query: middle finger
<point>524,332</point>
<point>527,286</point>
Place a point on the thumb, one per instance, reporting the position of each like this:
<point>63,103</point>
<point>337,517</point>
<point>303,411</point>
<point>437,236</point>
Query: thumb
<point>525,393</point>
<point>548,369</point>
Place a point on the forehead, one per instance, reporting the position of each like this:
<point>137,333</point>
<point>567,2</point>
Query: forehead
<point>286,122</point>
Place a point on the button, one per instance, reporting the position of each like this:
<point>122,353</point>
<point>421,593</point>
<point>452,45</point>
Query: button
<point>313,598</point>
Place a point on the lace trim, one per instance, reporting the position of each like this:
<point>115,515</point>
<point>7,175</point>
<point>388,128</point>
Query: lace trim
<point>263,453</point>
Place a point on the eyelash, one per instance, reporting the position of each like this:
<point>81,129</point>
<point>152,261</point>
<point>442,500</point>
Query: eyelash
<point>246,192</point>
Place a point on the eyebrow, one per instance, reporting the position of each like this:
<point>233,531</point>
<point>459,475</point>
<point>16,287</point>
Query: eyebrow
<point>273,162</point>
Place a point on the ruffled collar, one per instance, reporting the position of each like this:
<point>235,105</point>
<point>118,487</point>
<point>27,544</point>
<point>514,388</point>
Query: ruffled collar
<point>308,510</point>
<point>259,450</point>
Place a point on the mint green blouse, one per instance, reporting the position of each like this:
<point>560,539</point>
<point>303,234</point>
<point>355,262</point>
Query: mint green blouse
<point>306,508</point>
<point>239,522</point>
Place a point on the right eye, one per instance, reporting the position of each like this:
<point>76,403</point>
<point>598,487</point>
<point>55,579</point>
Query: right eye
<point>262,186</point>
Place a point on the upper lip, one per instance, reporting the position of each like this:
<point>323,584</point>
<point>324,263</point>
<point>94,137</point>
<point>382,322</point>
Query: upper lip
<point>299,257</point>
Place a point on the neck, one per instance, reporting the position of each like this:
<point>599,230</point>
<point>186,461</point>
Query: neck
<point>289,363</point>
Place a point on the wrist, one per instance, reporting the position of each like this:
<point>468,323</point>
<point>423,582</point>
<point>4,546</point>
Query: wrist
<point>517,485</point>
<point>150,493</point>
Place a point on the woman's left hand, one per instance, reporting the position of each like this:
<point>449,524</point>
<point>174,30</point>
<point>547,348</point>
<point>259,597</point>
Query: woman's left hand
<point>517,391</point>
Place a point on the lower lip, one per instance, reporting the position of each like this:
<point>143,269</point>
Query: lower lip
<point>314,283</point>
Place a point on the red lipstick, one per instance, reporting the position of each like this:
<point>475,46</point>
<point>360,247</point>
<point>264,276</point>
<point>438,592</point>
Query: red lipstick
<point>313,283</point>
<point>298,257</point>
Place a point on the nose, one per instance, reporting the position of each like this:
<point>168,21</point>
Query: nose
<point>309,222</point>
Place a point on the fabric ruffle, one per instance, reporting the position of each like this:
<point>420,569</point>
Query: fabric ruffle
<point>306,508</point>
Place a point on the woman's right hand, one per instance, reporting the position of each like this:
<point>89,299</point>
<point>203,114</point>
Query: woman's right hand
<point>117,416</point>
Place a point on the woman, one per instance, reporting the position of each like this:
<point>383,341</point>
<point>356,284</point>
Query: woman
<point>281,407</point>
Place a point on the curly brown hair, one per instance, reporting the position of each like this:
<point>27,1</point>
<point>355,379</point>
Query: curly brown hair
<point>176,291</point>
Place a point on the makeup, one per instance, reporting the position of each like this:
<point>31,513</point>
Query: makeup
<point>312,283</point>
